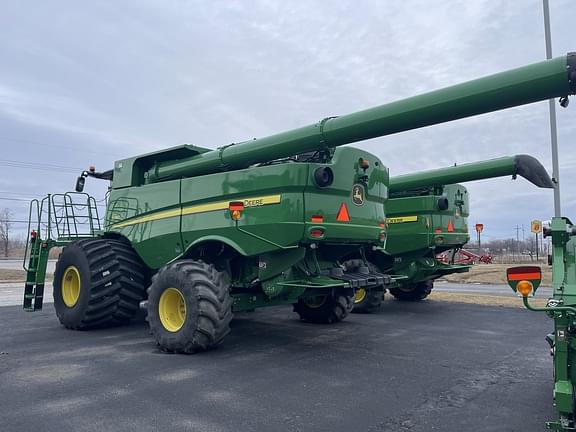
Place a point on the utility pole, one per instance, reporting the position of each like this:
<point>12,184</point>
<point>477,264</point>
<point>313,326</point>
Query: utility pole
<point>517,240</point>
<point>553,132</point>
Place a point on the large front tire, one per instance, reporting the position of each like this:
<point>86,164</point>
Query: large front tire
<point>189,307</point>
<point>326,309</point>
<point>414,293</point>
<point>98,283</point>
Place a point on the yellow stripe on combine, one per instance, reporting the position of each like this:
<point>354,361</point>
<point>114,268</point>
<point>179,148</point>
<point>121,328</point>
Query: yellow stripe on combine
<point>151,217</point>
<point>401,219</point>
<point>201,208</point>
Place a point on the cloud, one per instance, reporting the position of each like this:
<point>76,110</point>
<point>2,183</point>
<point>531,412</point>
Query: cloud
<point>84,83</point>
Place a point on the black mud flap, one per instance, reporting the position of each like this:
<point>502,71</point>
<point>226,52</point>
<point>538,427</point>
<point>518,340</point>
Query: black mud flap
<point>363,278</point>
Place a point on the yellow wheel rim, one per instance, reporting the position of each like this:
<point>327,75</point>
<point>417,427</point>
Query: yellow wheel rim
<point>70,286</point>
<point>359,295</point>
<point>314,302</point>
<point>172,309</point>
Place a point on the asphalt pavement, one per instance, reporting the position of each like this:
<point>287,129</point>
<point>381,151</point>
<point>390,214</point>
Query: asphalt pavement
<point>429,366</point>
<point>12,293</point>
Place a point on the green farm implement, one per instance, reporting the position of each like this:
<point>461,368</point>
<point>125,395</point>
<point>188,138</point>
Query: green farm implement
<point>561,307</point>
<point>202,233</point>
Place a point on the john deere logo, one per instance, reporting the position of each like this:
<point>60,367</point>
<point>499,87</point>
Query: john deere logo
<point>358,194</point>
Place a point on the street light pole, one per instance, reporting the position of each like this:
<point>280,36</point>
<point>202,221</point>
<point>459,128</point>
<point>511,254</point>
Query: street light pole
<point>553,132</point>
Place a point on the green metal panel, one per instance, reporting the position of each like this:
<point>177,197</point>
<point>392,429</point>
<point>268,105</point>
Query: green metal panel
<point>164,220</point>
<point>416,223</point>
<point>149,218</point>
<point>131,171</point>
<point>365,219</point>
<point>278,224</point>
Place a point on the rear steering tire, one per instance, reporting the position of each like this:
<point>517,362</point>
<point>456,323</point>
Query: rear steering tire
<point>326,309</point>
<point>366,300</point>
<point>98,283</point>
<point>416,292</point>
<point>189,307</point>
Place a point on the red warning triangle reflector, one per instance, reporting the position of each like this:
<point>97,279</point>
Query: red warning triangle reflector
<point>450,226</point>
<point>343,215</point>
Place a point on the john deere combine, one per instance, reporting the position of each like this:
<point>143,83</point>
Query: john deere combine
<point>426,214</point>
<point>201,233</point>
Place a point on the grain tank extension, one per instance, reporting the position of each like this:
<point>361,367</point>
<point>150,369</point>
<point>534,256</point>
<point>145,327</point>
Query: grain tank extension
<point>203,233</point>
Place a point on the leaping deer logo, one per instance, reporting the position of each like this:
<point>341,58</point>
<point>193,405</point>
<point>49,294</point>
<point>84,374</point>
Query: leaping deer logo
<point>358,194</point>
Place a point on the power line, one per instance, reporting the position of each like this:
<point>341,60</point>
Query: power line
<point>30,199</point>
<point>37,165</point>
<point>20,193</point>
<point>14,199</point>
<point>67,147</point>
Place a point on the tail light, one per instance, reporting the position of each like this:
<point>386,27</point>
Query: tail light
<point>316,233</point>
<point>236,208</point>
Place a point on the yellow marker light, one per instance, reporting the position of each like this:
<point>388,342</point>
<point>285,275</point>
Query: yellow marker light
<point>524,287</point>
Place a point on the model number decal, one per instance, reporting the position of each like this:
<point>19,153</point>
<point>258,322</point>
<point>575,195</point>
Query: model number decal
<point>401,219</point>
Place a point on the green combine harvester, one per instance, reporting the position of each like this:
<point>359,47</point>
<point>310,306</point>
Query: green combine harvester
<point>204,233</point>
<point>426,214</point>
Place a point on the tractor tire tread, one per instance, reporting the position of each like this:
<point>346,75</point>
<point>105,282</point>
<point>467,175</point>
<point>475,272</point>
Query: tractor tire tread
<point>420,291</point>
<point>212,301</point>
<point>115,297</point>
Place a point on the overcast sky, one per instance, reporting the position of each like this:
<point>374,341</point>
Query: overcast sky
<point>85,83</point>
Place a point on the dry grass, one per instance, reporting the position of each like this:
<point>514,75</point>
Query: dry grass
<point>14,275</point>
<point>494,274</point>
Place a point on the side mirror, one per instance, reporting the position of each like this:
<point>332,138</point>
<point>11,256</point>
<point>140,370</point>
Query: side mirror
<point>80,181</point>
<point>524,280</point>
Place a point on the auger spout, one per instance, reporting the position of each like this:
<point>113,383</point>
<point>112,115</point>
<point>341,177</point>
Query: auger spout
<point>536,82</point>
<point>520,165</point>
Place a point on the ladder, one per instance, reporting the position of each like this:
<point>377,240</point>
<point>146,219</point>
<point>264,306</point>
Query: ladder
<point>54,221</point>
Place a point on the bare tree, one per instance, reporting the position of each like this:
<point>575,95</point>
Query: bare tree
<point>5,226</point>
